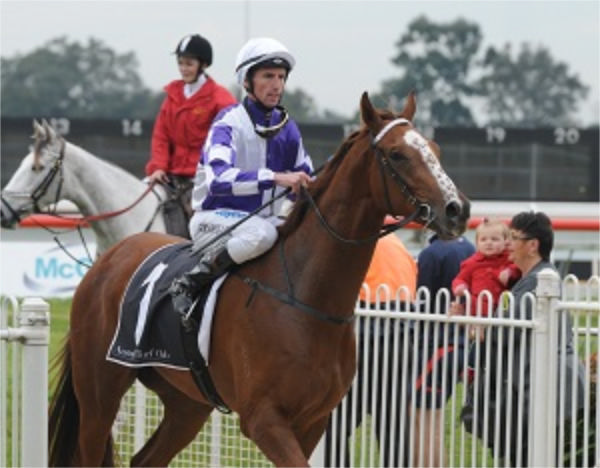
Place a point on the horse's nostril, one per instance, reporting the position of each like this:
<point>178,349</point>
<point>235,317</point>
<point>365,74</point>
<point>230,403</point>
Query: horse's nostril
<point>452,210</point>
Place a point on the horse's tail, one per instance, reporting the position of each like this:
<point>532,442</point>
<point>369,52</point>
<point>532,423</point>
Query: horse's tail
<point>63,419</point>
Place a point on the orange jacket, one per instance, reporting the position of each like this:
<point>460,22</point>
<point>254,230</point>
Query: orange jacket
<point>182,126</point>
<point>393,265</point>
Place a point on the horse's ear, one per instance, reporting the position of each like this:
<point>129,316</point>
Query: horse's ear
<point>50,133</point>
<point>410,106</point>
<point>38,131</point>
<point>369,115</point>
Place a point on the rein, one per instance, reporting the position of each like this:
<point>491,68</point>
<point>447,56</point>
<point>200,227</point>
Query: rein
<point>384,231</point>
<point>108,214</point>
<point>111,214</point>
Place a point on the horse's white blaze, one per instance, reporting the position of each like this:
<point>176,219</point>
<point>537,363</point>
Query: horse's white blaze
<point>447,187</point>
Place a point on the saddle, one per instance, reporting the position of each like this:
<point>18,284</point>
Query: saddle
<point>151,333</point>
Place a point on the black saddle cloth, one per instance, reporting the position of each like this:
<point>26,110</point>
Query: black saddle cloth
<point>148,333</point>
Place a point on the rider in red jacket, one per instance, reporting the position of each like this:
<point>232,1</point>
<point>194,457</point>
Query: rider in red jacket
<point>182,125</point>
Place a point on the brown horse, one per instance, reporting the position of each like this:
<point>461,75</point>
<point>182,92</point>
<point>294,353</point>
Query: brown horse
<point>281,369</point>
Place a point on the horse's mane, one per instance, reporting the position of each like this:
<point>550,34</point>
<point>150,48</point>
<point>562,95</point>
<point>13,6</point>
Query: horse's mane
<point>41,143</point>
<point>320,184</point>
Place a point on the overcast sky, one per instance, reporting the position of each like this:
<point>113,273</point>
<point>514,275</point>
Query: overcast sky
<point>342,47</point>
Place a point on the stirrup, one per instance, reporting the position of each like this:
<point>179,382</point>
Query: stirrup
<point>181,295</point>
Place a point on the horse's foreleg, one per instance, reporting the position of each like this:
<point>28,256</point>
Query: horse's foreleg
<point>313,435</point>
<point>273,435</point>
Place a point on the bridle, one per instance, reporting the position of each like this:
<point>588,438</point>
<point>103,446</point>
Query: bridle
<point>384,165</point>
<point>422,212</point>
<point>42,188</point>
<point>44,185</point>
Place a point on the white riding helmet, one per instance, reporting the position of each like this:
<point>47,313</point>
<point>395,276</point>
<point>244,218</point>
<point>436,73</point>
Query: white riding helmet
<point>259,50</point>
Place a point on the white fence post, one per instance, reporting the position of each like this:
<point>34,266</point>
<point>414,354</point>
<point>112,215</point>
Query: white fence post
<point>215,450</point>
<point>542,420</point>
<point>34,320</point>
<point>139,424</point>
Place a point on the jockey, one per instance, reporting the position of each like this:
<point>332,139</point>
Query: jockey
<point>252,153</point>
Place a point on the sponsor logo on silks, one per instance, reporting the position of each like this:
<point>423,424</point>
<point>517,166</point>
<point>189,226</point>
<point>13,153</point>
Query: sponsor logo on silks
<point>54,272</point>
<point>230,213</point>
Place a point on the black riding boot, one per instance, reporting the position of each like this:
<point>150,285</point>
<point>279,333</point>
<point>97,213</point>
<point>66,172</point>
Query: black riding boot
<point>185,289</point>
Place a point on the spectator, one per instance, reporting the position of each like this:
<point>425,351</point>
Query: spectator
<point>253,152</point>
<point>181,127</point>
<point>392,265</point>
<point>438,264</point>
<point>488,269</point>
<point>531,242</point>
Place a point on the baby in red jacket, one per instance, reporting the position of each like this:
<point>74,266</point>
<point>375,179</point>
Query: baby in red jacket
<point>488,268</point>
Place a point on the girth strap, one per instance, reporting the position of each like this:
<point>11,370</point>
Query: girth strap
<point>189,334</point>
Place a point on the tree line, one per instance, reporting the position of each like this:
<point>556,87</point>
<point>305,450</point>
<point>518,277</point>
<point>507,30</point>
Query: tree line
<point>445,63</point>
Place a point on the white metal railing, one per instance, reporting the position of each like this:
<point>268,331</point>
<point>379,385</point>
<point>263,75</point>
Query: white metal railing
<point>29,329</point>
<point>220,442</point>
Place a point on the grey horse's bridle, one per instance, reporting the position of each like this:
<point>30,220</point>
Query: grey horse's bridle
<point>42,188</point>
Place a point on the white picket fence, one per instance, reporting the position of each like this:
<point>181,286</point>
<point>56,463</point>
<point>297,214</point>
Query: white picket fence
<point>392,361</point>
<point>221,444</point>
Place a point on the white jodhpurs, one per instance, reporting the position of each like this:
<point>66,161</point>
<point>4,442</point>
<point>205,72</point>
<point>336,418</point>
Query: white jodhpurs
<point>250,239</point>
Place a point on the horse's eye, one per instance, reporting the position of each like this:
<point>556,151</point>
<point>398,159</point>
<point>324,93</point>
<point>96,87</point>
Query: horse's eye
<point>397,156</point>
<point>38,168</point>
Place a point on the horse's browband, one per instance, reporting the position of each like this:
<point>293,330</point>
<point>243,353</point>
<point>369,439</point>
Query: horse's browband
<point>388,127</point>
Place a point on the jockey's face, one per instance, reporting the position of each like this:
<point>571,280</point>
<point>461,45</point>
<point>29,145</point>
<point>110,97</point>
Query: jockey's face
<point>189,67</point>
<point>268,84</point>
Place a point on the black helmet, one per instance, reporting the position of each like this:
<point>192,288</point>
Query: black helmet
<point>194,45</point>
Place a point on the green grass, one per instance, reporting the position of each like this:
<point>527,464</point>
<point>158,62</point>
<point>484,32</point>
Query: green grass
<point>59,325</point>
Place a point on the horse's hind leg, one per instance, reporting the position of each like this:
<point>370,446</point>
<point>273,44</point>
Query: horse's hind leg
<point>99,393</point>
<point>182,419</point>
